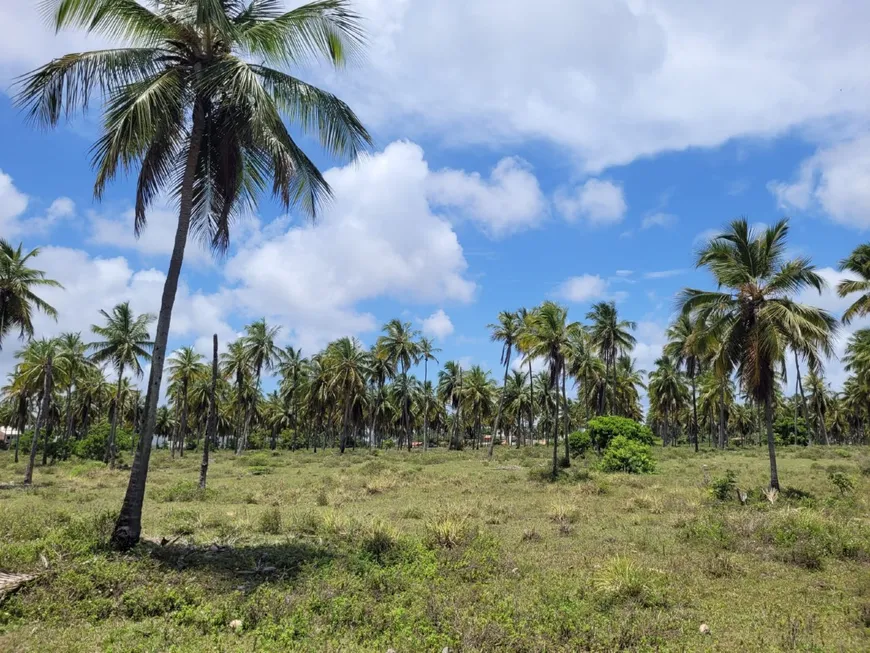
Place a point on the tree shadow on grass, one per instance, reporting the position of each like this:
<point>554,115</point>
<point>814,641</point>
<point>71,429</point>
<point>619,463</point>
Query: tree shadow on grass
<point>250,565</point>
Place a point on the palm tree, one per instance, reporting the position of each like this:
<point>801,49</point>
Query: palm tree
<point>752,312</point>
<point>235,365</point>
<point>125,340</point>
<point>72,357</point>
<point>477,394</point>
<point>261,352</point>
<point>426,350</point>
<point>450,392</point>
<point>506,331</point>
<point>399,341</point>
<point>197,98</point>
<point>35,371</point>
<point>186,366</point>
<point>381,367</point>
<point>524,315</point>
<point>858,263</point>
<point>17,285</point>
<point>549,337</point>
<point>211,426</point>
<point>819,400</point>
<point>291,367</point>
<point>628,380</point>
<point>345,362</point>
<point>667,391</point>
<point>683,347</point>
<point>611,336</point>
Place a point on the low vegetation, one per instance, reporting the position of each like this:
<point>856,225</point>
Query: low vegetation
<point>378,550</point>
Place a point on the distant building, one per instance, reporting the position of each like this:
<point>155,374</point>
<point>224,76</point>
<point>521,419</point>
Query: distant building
<point>7,434</point>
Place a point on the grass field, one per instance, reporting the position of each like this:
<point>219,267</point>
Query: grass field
<point>416,552</point>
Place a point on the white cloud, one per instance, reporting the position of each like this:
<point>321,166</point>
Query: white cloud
<point>438,325</point>
<point>664,274</point>
<point>12,204</point>
<point>582,288</point>
<point>624,273</point>
<point>156,239</point>
<point>659,220</point>
<point>651,339</point>
<point>379,237</point>
<point>509,201</point>
<point>706,236</point>
<point>835,181</point>
<point>599,202</point>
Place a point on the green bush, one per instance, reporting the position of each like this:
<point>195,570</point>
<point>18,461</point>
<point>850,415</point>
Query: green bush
<point>784,431</point>
<point>842,482</point>
<point>291,439</point>
<point>626,455</point>
<point>602,430</point>
<point>723,488</point>
<point>579,443</point>
<point>93,445</point>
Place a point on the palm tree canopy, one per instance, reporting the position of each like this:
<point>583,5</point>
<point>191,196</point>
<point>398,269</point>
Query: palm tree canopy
<point>858,263</point>
<point>610,334</point>
<point>399,341</point>
<point>209,72</point>
<point>506,331</point>
<point>125,338</point>
<point>751,312</point>
<point>259,346</point>
<point>18,299</point>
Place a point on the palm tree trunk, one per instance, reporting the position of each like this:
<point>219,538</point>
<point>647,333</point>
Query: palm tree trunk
<point>531,403</point>
<point>771,447</point>
<point>183,430</point>
<point>665,433</point>
<point>694,411</point>
<point>822,426</point>
<point>405,417</point>
<point>555,432</point>
<point>507,365</point>
<point>69,421</point>
<point>128,527</point>
<point>22,421</point>
<point>804,402</point>
<point>565,418</point>
<point>45,400</point>
<point>425,406</point>
<point>348,406</point>
<point>110,445</point>
<point>211,425</point>
<point>722,415</point>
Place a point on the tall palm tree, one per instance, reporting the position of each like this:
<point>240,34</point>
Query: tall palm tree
<point>36,371</point>
<point>426,350</point>
<point>667,391</point>
<point>262,353</point>
<point>291,367</point>
<point>124,341</point>
<point>549,337</point>
<point>400,343</point>
<point>506,331</point>
<point>211,426</point>
<point>186,366</point>
<point>381,368</point>
<point>819,400</point>
<point>611,336</point>
<point>197,98</point>
<point>858,263</point>
<point>236,365</point>
<point>524,316</point>
<point>72,357</point>
<point>683,348</point>
<point>752,310</point>
<point>477,394</point>
<point>18,283</point>
<point>450,392</point>
<point>345,362</point>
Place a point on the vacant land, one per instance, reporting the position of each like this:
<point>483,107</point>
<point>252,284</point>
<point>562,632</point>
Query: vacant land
<point>416,552</point>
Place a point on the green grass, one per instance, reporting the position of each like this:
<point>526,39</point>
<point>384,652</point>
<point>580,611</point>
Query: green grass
<point>417,552</point>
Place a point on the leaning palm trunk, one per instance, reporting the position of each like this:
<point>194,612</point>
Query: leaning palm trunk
<point>211,426</point>
<point>110,445</point>
<point>531,403</point>
<point>128,527</point>
<point>43,412</point>
<point>495,425</point>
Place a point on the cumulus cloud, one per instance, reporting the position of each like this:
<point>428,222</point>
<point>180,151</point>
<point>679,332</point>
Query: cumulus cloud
<point>582,288</point>
<point>380,237</point>
<point>438,325</point>
<point>509,201</point>
<point>659,220</point>
<point>12,204</point>
<point>834,181</point>
<point>597,201</point>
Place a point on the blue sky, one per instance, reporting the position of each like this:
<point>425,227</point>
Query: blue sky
<point>578,153</point>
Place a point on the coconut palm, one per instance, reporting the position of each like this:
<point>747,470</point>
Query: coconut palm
<point>450,392</point>
<point>752,310</point>
<point>186,367</point>
<point>549,336</point>
<point>400,343</point>
<point>667,392</point>
<point>18,285</point>
<point>124,341</point>
<point>426,350</point>
<point>261,352</point>
<point>381,368</point>
<point>478,390</point>
<point>612,337</point>
<point>683,348</point>
<point>345,364</point>
<point>197,99</point>
<point>858,263</point>
<point>235,365</point>
<point>506,331</point>
<point>35,371</point>
<point>72,357</point>
<point>819,400</point>
<point>524,316</point>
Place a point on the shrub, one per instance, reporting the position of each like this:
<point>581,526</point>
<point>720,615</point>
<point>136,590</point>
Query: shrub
<point>723,488</point>
<point>93,445</point>
<point>389,443</point>
<point>784,431</point>
<point>842,482</point>
<point>629,456</point>
<point>447,531</point>
<point>270,521</point>
<point>602,430</point>
<point>291,439</point>
<point>579,442</point>
<point>622,580</point>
